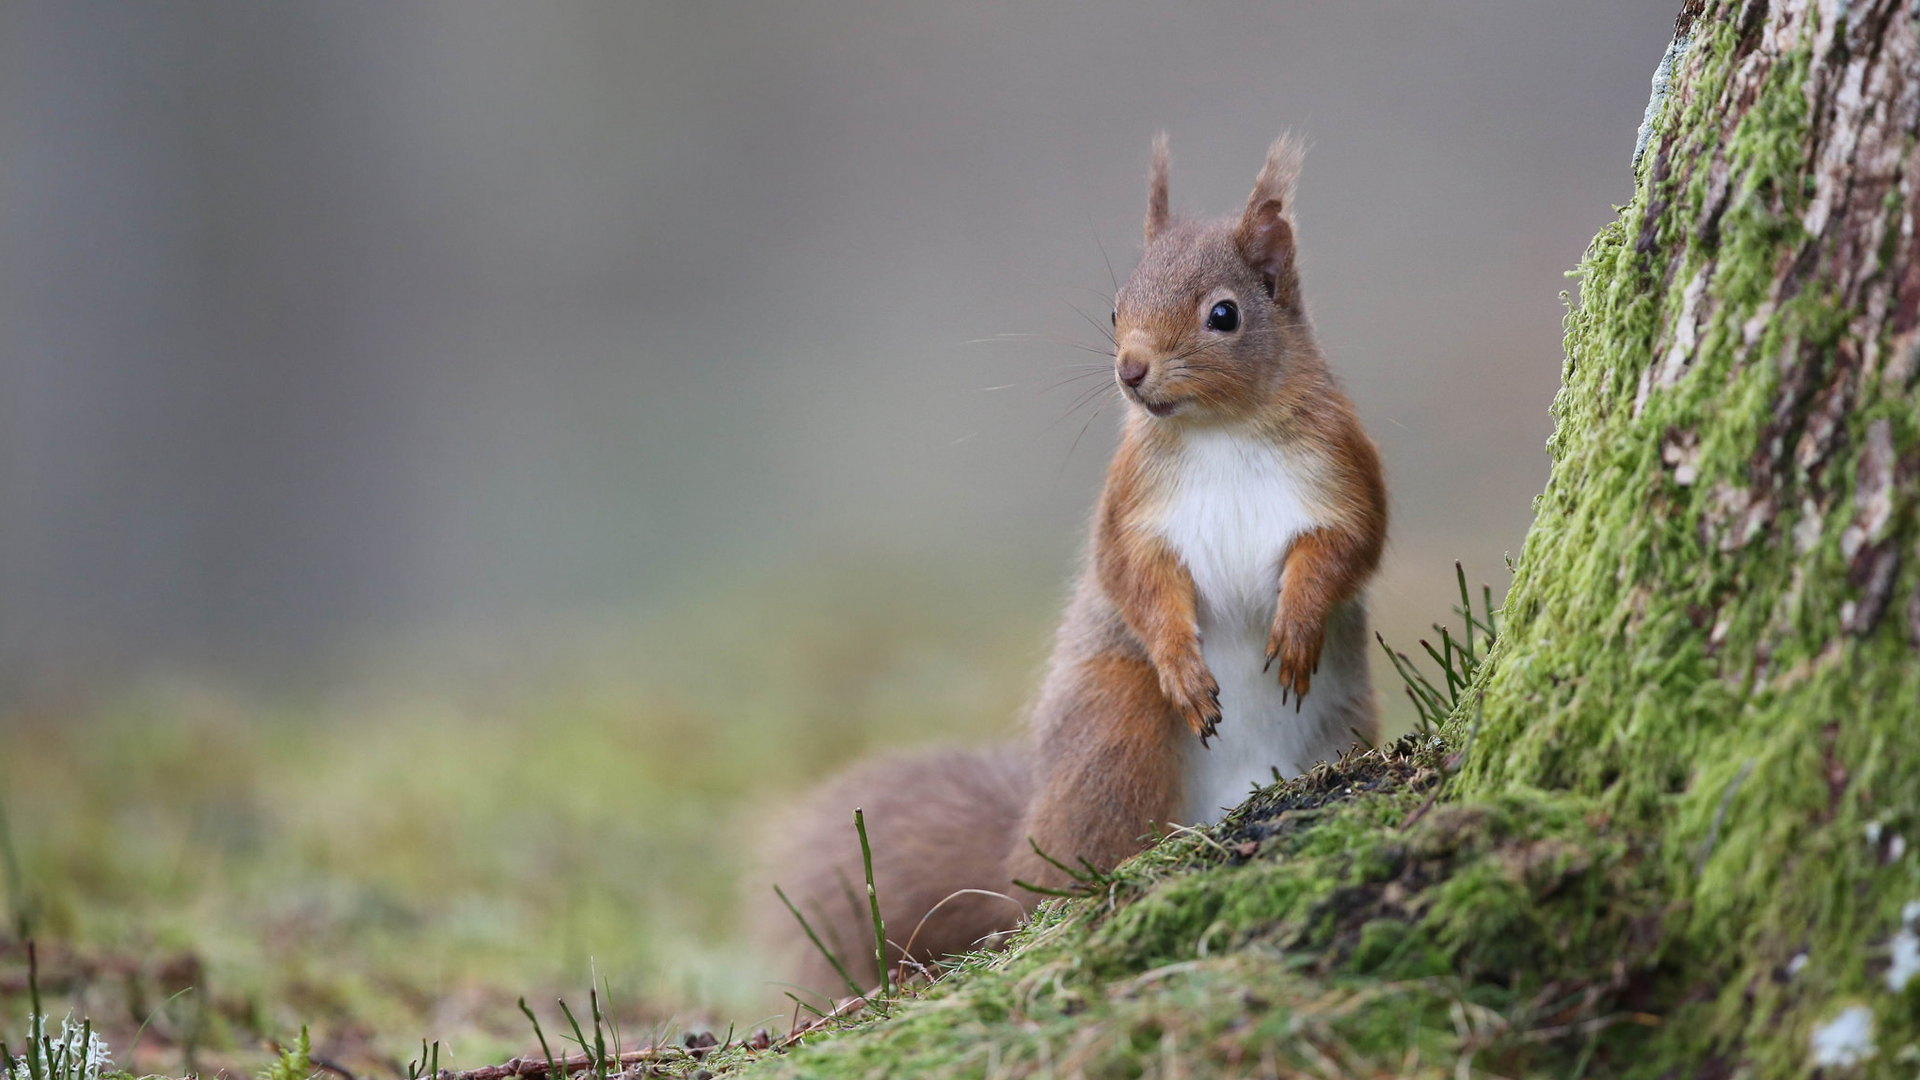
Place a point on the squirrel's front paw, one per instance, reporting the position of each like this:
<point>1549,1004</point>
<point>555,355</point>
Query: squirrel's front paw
<point>1294,645</point>
<point>1192,689</point>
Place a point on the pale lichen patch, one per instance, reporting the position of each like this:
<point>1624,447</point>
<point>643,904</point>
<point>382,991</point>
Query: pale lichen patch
<point>1680,450</point>
<point>1662,86</point>
<point>1903,950</point>
<point>1873,492</point>
<point>1686,331</point>
<point>1845,1040</point>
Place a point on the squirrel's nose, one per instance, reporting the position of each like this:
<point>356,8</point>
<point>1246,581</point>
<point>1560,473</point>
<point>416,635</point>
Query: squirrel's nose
<point>1133,370</point>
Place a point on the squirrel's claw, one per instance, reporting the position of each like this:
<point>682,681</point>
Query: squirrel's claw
<point>1205,719</point>
<point>1190,688</point>
<point>1296,645</point>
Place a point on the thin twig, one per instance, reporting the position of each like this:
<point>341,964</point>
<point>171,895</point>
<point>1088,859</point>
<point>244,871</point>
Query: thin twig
<point>1202,837</point>
<point>565,1066</point>
<point>1589,1027</point>
<point>915,936</point>
<point>845,1008</point>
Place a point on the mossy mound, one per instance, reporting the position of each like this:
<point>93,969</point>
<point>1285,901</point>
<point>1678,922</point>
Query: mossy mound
<point>1341,920</point>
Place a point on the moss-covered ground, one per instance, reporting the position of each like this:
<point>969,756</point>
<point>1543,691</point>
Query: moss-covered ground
<point>1345,923</point>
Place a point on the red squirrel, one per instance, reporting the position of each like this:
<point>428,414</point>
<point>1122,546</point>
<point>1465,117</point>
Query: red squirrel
<point>1216,634</point>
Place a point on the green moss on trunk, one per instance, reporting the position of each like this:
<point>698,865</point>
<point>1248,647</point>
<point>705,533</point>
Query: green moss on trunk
<point>1704,632</point>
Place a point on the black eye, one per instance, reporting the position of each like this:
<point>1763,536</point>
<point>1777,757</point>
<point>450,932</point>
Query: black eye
<point>1225,317</point>
<point>1116,316</point>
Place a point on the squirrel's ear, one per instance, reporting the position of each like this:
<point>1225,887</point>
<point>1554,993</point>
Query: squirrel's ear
<point>1157,212</point>
<point>1265,235</point>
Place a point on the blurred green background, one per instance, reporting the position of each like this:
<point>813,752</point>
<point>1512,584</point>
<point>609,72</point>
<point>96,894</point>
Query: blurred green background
<point>410,848</point>
<point>464,465</point>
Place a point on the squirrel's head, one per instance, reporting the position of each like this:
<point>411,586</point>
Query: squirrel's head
<point>1210,319</point>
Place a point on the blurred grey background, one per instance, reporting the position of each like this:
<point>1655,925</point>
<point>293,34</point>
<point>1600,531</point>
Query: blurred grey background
<point>328,321</point>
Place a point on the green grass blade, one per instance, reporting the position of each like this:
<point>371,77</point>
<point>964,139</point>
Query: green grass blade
<point>1416,682</point>
<point>149,1020</point>
<point>873,901</point>
<point>1453,688</point>
<point>839,968</point>
<point>1057,864</point>
<point>1420,710</point>
<point>538,1034</point>
<point>577,1035</point>
<point>37,1020</point>
<point>804,1005</point>
<point>1044,891</point>
<point>599,1040</point>
<point>1466,601</point>
<point>1095,876</point>
<point>613,1020</point>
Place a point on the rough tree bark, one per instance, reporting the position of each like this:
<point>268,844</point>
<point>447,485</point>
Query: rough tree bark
<point>1714,629</point>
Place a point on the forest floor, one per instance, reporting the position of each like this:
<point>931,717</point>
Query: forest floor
<point>408,859</point>
<point>206,871</point>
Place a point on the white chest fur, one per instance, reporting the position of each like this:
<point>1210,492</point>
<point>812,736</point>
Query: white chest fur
<point>1233,506</point>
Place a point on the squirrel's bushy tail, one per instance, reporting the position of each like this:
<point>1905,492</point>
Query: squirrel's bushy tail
<point>939,823</point>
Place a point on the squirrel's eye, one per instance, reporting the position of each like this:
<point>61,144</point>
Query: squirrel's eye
<point>1225,317</point>
<point>1116,316</point>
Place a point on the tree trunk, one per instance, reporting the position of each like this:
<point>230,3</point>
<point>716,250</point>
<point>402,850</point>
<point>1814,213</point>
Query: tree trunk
<point>1714,629</point>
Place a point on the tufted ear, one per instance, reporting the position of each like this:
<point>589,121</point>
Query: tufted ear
<point>1265,235</point>
<point>1157,212</point>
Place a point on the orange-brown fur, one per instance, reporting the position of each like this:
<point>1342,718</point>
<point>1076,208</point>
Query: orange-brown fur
<point>1128,688</point>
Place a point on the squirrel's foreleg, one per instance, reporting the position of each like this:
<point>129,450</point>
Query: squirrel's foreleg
<point>1110,774</point>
